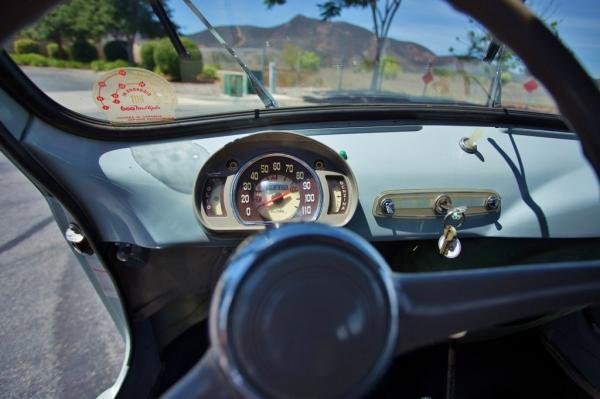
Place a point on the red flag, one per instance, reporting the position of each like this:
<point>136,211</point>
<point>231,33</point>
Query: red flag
<point>427,77</point>
<point>530,85</point>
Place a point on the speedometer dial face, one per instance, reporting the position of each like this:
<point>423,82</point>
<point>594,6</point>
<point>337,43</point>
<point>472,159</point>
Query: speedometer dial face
<point>277,188</point>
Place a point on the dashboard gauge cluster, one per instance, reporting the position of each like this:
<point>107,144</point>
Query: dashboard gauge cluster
<point>272,178</point>
<point>277,188</point>
<point>213,197</point>
<point>338,194</point>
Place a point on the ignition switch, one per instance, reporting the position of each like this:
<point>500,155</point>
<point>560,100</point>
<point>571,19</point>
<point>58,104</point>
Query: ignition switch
<point>442,204</point>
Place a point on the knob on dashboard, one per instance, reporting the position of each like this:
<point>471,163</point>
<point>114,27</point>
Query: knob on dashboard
<point>388,207</point>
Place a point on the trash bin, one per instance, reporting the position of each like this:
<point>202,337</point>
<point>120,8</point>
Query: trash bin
<point>234,84</point>
<point>249,87</point>
<point>237,84</point>
<point>190,69</point>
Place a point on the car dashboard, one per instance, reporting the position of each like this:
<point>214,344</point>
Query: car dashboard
<point>169,213</point>
<point>157,195</point>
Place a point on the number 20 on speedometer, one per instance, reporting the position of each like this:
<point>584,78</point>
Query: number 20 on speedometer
<point>277,188</point>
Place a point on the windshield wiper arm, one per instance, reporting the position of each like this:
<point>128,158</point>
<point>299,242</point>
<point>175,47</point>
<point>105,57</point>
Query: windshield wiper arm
<point>495,50</point>
<point>495,95</point>
<point>265,96</point>
<point>167,24</point>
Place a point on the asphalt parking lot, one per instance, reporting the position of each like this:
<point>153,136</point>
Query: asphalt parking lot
<point>56,338</point>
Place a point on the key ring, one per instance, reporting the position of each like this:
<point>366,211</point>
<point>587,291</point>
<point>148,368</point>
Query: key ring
<point>456,215</point>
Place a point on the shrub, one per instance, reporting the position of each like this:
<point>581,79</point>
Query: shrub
<point>68,64</point>
<point>290,55</point>
<point>443,72</point>
<point>310,61</point>
<point>39,60</point>
<point>116,50</point>
<point>390,67</point>
<point>167,60</point>
<point>26,46</point>
<point>56,52</point>
<point>209,74</point>
<point>53,62</point>
<point>83,51</point>
<point>365,65</point>
<point>77,65</point>
<point>100,65</point>
<point>147,53</point>
<point>30,59</point>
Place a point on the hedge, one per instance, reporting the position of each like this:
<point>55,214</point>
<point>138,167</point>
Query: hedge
<point>115,50</point>
<point>147,53</point>
<point>56,52</point>
<point>26,46</point>
<point>101,65</point>
<point>83,51</point>
<point>209,74</point>
<point>39,60</point>
<point>167,60</point>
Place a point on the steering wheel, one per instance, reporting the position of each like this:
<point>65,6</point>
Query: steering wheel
<point>308,310</point>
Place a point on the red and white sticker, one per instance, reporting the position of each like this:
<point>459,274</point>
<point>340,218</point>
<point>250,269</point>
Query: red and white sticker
<point>133,95</point>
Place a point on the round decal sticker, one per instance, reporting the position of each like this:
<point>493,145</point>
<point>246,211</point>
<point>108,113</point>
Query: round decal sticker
<point>134,95</point>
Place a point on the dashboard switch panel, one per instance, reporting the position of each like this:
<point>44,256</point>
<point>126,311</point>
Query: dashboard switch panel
<point>428,204</point>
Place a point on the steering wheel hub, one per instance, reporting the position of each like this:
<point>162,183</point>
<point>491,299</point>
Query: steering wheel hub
<point>305,311</point>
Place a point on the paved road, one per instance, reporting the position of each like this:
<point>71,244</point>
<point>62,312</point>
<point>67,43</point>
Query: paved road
<point>56,338</point>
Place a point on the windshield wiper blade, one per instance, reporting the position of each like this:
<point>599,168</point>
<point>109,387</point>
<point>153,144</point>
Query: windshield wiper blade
<point>492,51</point>
<point>265,96</point>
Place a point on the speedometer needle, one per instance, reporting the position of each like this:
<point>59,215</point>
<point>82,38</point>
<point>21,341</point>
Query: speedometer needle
<point>275,198</point>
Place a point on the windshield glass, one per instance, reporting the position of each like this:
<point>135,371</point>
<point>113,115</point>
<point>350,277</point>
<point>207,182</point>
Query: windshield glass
<point>304,54</point>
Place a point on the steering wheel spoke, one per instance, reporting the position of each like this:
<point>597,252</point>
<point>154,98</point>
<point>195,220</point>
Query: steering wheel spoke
<point>307,310</point>
<point>433,306</point>
<point>205,380</point>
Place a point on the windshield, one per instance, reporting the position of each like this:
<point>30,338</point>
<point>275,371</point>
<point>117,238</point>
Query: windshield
<point>303,53</point>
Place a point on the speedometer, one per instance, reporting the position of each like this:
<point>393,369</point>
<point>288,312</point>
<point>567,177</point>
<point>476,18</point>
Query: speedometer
<point>276,188</point>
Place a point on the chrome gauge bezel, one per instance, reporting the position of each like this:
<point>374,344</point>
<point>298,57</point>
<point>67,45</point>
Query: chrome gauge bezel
<point>252,161</point>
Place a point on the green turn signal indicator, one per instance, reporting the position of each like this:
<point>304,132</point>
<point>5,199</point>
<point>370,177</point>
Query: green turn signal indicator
<point>343,154</point>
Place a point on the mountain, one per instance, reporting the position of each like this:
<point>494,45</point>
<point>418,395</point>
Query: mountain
<point>335,42</point>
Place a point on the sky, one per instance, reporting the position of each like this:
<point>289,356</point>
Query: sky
<point>431,23</point>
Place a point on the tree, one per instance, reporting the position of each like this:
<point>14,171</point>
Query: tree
<point>478,39</point>
<point>82,20</point>
<point>290,56</point>
<point>130,18</point>
<point>382,13</point>
<point>76,19</point>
